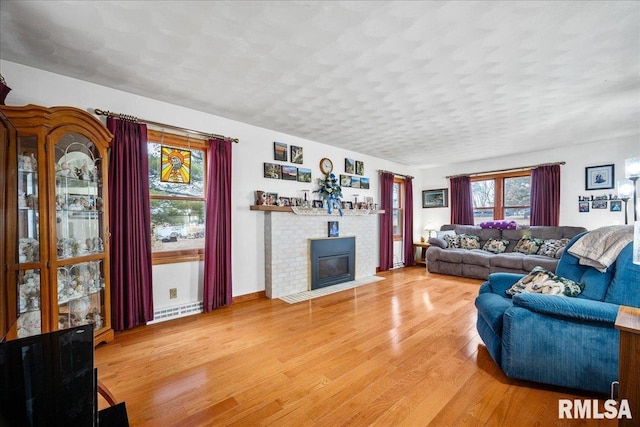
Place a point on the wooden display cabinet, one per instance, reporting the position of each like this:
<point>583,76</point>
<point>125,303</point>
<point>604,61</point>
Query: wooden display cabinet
<point>58,270</point>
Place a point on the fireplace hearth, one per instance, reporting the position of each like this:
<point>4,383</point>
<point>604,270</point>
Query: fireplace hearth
<point>332,261</point>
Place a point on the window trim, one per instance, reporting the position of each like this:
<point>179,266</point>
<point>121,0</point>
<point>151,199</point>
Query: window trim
<point>188,142</point>
<point>400,209</point>
<point>499,178</point>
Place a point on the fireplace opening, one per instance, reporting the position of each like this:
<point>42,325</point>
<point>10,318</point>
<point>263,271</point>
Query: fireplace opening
<point>332,261</point>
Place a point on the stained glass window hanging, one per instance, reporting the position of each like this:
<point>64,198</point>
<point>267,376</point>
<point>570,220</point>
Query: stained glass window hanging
<point>176,165</point>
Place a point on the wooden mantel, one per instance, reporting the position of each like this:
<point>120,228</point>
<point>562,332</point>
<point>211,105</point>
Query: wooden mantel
<point>313,211</point>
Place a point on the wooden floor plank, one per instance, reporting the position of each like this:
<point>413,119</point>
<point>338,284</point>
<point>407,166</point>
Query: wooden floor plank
<point>402,351</point>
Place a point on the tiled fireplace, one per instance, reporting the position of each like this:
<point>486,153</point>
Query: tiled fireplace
<point>287,247</point>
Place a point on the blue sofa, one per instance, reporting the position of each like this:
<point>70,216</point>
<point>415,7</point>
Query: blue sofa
<point>564,341</point>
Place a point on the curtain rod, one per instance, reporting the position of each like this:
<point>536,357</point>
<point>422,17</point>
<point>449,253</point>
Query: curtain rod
<point>139,120</point>
<point>505,170</point>
<point>396,174</point>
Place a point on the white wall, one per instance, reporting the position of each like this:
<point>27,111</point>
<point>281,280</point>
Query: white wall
<point>33,86</point>
<point>577,157</point>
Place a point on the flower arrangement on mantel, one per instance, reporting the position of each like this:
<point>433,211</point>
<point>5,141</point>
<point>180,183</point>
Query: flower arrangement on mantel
<point>330,190</point>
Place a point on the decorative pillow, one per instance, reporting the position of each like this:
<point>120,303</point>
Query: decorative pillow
<point>543,281</point>
<point>452,241</point>
<point>469,242</point>
<point>552,246</point>
<point>441,234</point>
<point>501,225</point>
<point>528,245</point>
<point>496,246</point>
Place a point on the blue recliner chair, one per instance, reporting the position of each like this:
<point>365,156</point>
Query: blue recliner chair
<point>570,342</point>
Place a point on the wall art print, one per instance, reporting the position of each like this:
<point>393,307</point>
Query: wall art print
<point>296,154</point>
<point>176,165</point>
<point>280,151</point>
<point>599,177</point>
<point>435,198</point>
<point>289,173</point>
<point>349,166</point>
<point>304,175</point>
<point>272,170</point>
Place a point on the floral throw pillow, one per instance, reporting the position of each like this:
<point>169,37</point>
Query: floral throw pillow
<point>469,242</point>
<point>496,246</point>
<point>551,247</point>
<point>453,242</point>
<point>543,281</point>
<point>528,245</point>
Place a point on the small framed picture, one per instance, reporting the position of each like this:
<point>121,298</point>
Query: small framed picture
<point>349,166</point>
<point>615,206</point>
<point>272,170</point>
<point>355,181</point>
<point>599,177</point>
<point>304,175</point>
<point>285,201</point>
<point>333,229</point>
<point>345,180</point>
<point>364,183</point>
<point>599,204</point>
<point>272,198</point>
<point>583,206</point>
<point>435,198</point>
<point>317,203</point>
<point>359,167</point>
<point>296,154</point>
<point>289,173</point>
<point>280,151</point>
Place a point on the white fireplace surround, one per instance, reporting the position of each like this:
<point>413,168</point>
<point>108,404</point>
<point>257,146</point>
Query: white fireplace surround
<point>287,248</point>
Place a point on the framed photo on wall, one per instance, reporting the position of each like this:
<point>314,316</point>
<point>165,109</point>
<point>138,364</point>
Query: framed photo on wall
<point>280,151</point>
<point>583,207</point>
<point>435,198</point>
<point>599,177</point>
<point>296,154</point>
<point>289,173</point>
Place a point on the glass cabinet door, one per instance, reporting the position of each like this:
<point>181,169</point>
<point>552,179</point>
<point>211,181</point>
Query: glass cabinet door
<point>29,296</point>
<point>79,232</point>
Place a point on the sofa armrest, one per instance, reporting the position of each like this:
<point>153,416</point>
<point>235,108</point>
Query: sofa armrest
<point>438,242</point>
<point>577,309</point>
<point>498,283</point>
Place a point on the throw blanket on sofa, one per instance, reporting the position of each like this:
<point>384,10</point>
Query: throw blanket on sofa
<point>600,247</point>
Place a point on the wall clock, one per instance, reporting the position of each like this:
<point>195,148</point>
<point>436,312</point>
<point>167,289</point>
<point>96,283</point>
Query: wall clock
<point>326,165</point>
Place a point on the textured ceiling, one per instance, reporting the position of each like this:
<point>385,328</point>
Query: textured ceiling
<point>420,83</point>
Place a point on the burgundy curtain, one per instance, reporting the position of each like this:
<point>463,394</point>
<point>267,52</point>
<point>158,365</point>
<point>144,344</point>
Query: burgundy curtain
<point>217,291</point>
<point>409,256</point>
<point>461,200</point>
<point>545,195</point>
<point>386,221</point>
<point>130,226</point>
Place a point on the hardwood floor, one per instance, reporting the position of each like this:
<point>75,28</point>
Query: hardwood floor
<point>403,351</point>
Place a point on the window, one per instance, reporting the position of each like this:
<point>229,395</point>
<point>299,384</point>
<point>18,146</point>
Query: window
<point>398,208</point>
<point>502,196</point>
<point>177,208</point>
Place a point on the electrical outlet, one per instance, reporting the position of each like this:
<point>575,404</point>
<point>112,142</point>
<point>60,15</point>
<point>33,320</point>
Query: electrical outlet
<point>173,293</point>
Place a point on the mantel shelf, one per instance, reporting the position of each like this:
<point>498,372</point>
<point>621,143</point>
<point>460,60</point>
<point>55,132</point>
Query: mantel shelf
<point>314,211</point>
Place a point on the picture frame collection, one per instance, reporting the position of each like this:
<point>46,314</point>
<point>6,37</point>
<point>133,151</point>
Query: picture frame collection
<point>282,152</point>
<point>599,178</point>
<point>353,175</point>
<point>293,155</point>
<point>610,201</point>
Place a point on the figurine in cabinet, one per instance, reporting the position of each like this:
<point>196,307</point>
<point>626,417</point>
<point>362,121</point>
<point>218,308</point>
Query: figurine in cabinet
<point>32,201</point>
